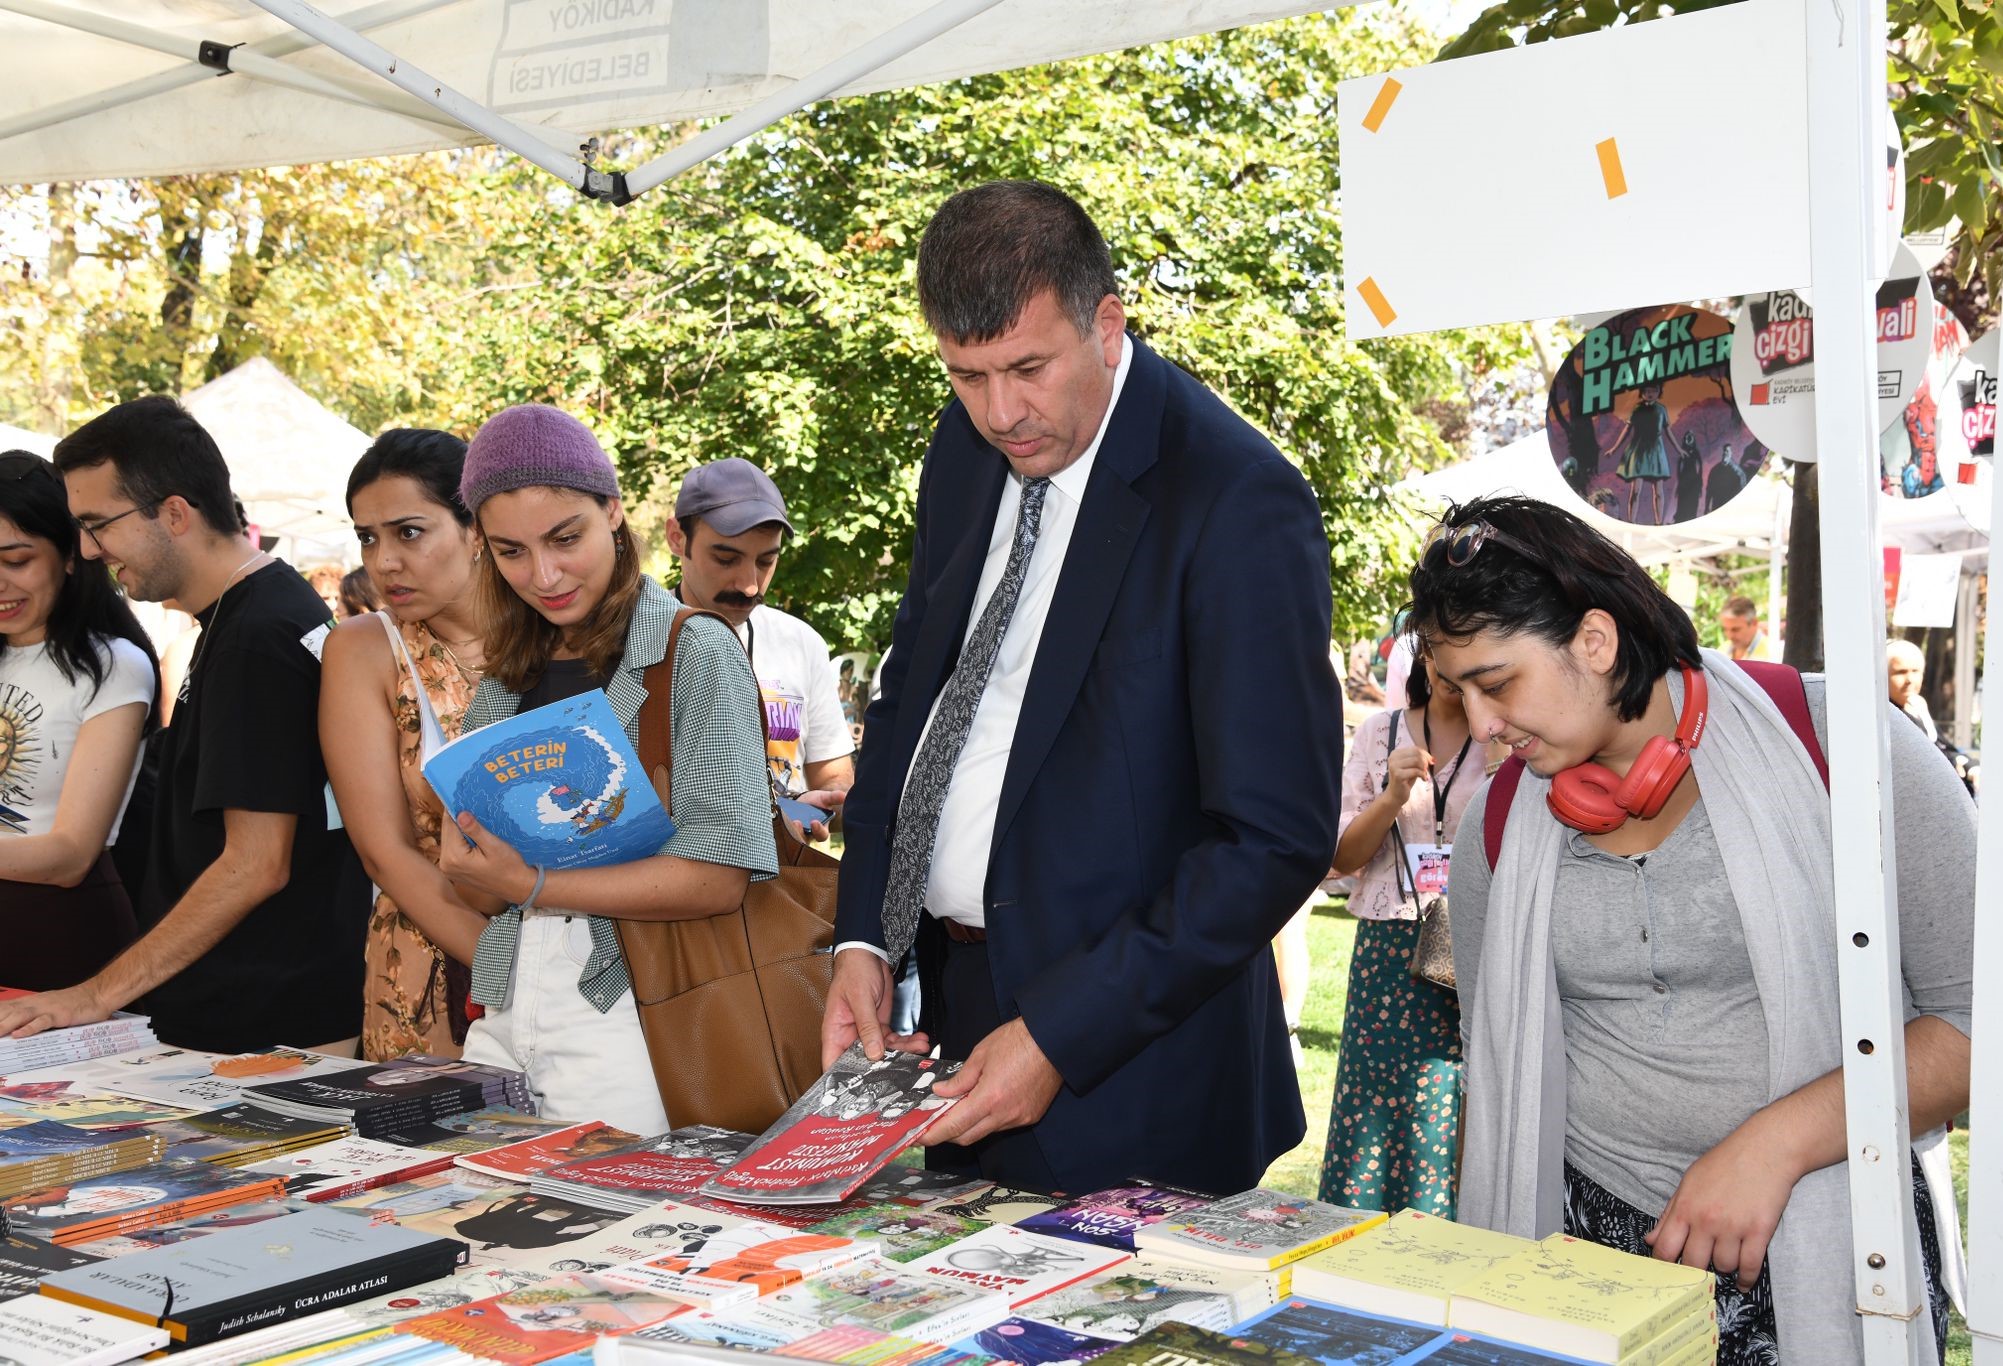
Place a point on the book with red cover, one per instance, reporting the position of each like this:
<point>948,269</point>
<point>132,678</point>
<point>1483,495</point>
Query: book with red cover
<point>850,1123</point>
<point>676,1163</point>
<point>533,1156</point>
<point>540,1322</point>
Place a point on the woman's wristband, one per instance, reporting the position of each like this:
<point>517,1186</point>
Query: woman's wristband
<point>528,903</point>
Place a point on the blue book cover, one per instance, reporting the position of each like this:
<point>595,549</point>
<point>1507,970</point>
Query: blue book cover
<point>1028,1343</point>
<point>561,784</point>
<point>1338,1337</point>
<point>46,1138</point>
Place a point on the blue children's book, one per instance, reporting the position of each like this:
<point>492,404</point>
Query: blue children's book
<point>561,784</point>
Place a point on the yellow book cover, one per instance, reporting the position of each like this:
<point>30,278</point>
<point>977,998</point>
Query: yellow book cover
<point>1579,1299</point>
<point>1692,1337</point>
<point>1256,1230</point>
<point>1407,1268</point>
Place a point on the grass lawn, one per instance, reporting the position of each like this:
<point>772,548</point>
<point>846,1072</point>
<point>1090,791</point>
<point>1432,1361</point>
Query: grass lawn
<point>1331,934</point>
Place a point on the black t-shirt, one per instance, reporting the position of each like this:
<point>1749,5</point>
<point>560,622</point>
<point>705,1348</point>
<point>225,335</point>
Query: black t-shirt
<point>561,680</point>
<point>247,738</point>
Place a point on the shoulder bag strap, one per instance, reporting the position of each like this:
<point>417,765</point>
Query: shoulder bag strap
<point>1495,815</point>
<point>430,735</point>
<point>657,749</point>
<point>1783,684</point>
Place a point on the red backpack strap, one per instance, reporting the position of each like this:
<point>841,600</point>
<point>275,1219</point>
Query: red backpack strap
<point>1783,684</point>
<point>1494,816</point>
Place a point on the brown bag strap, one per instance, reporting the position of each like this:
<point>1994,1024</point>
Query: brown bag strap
<point>657,741</point>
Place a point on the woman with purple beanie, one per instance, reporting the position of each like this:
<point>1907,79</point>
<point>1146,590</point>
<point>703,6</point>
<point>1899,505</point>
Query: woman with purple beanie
<point>567,610</point>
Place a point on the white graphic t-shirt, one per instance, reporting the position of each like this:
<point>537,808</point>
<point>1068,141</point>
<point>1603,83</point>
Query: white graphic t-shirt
<point>40,714</point>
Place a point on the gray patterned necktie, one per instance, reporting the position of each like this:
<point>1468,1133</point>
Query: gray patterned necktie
<point>932,772</point>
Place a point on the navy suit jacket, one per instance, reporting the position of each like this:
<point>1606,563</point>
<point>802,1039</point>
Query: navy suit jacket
<point>1171,794</point>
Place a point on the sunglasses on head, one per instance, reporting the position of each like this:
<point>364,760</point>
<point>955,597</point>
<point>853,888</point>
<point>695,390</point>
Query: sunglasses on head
<point>1461,544</point>
<point>18,465</point>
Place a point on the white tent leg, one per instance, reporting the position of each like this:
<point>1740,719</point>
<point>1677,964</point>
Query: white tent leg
<point>1846,80</point>
<point>1783,514</point>
<point>1967,602</point>
<point>528,143</point>
<point>913,33</point>
<point>1985,1106</point>
<point>131,92</point>
<point>252,64</point>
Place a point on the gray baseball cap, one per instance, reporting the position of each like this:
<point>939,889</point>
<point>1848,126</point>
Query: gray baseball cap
<point>732,496</point>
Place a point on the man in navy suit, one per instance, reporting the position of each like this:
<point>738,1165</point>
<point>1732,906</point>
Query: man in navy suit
<point>1104,768</point>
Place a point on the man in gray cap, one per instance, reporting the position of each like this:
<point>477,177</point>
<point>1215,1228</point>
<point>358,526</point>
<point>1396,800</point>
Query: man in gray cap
<point>729,524</point>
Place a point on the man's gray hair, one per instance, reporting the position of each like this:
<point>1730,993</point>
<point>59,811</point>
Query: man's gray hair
<point>991,249</point>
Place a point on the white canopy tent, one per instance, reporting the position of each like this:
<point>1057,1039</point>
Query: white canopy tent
<point>93,88</point>
<point>109,88</point>
<point>289,458</point>
<point>14,438</point>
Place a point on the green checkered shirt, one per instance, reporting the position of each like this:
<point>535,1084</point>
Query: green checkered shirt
<point>721,803</point>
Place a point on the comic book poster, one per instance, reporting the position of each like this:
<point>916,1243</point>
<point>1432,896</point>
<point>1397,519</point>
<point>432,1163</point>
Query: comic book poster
<point>1109,1217</point>
<point>1642,418</point>
<point>851,1122</point>
<point>1975,393</point>
<point>562,1314</point>
<point>1922,449</point>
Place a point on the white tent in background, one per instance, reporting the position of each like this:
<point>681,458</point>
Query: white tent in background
<point>14,438</point>
<point>289,458</point>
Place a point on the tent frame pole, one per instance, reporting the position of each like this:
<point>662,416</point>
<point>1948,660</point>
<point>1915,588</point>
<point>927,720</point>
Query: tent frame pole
<point>161,83</point>
<point>1845,43</point>
<point>221,58</point>
<point>878,52</point>
<point>530,144</point>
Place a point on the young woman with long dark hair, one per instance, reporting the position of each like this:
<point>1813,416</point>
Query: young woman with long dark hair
<point>1648,968</point>
<point>79,691</point>
<point>566,609</point>
<point>394,688</point>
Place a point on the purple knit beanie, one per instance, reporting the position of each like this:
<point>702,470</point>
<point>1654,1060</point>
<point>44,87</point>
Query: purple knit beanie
<point>534,445</point>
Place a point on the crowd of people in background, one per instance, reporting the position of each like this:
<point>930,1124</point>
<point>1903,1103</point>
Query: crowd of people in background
<point>1100,780</point>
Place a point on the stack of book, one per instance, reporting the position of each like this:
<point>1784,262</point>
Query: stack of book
<point>873,1294</point>
<point>242,1279</point>
<point>1112,1216</point>
<point>187,1228</point>
<point>348,1166</point>
<point>1256,1230</point>
<point>739,1265</point>
<point>1147,1291</point>
<point>100,1206</point>
<point>25,1262</point>
<point>44,1153</point>
<point>182,1077</point>
<point>1020,1265</point>
<point>377,1098</point>
<point>1579,1299</point>
<point>901,1233</point>
<point>121,1033</point>
<point>476,1131</point>
<point>241,1135</point>
<point>679,1162</point>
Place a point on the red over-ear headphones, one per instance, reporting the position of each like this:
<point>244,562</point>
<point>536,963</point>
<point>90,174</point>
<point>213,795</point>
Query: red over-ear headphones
<point>1593,798</point>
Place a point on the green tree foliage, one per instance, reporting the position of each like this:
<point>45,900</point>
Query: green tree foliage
<point>764,305</point>
<point>1945,60</point>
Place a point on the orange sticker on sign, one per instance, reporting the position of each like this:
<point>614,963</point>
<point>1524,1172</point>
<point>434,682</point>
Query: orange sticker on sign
<point>1610,169</point>
<point>1380,307</point>
<point>1381,106</point>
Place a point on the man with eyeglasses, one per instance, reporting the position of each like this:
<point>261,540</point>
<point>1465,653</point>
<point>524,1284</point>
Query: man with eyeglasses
<point>254,911</point>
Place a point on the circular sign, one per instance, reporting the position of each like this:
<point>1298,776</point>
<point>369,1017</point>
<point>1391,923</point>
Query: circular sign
<point>1641,418</point>
<point>1922,449</point>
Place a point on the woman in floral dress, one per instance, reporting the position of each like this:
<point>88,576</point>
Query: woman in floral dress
<point>1394,1123</point>
<point>394,687</point>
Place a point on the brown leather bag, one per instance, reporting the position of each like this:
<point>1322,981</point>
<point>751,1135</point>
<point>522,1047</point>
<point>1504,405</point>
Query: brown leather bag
<point>731,1005</point>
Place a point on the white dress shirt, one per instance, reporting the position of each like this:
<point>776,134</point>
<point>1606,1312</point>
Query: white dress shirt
<point>959,872</point>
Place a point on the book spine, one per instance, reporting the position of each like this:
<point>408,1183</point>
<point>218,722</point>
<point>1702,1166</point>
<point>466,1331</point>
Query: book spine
<point>259,1309</point>
<point>40,1173</point>
<point>1655,1325</point>
<point>376,1120</point>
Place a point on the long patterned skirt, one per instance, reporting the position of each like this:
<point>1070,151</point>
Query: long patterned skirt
<point>1394,1125</point>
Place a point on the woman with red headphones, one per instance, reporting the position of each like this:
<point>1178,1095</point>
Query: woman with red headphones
<point>1645,937</point>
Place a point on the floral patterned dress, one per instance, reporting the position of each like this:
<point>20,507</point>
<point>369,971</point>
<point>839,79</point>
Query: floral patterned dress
<point>406,1005</point>
<point>1394,1121</point>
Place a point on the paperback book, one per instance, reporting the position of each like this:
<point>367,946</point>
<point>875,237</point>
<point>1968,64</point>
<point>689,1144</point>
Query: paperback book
<point>1146,1291</point>
<point>871,1294</point>
<point>25,1261</point>
<point>1578,1298</point>
<point>100,1206</point>
<point>992,1204</point>
<point>232,1282</point>
<point>645,1171</point>
<point>535,1155</point>
<point>905,1184</point>
<point>38,1331</point>
<point>1256,1229</point>
<point>850,1123</point>
<point>563,1314</point>
<point>191,1226</point>
<point>181,1076</point>
<point>84,1111</point>
<point>701,1337</point>
<point>509,1226</point>
<point>1017,1263</point>
<point>375,1099</point>
<point>1110,1217</point>
<point>1179,1344</point>
<point>1336,1336</point>
<point>476,1131</point>
<point>739,1265</point>
<point>1408,1268</point>
<point>76,1043</point>
<point>349,1166</point>
<point>1026,1342</point>
<point>561,784</point>
<point>902,1234</point>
